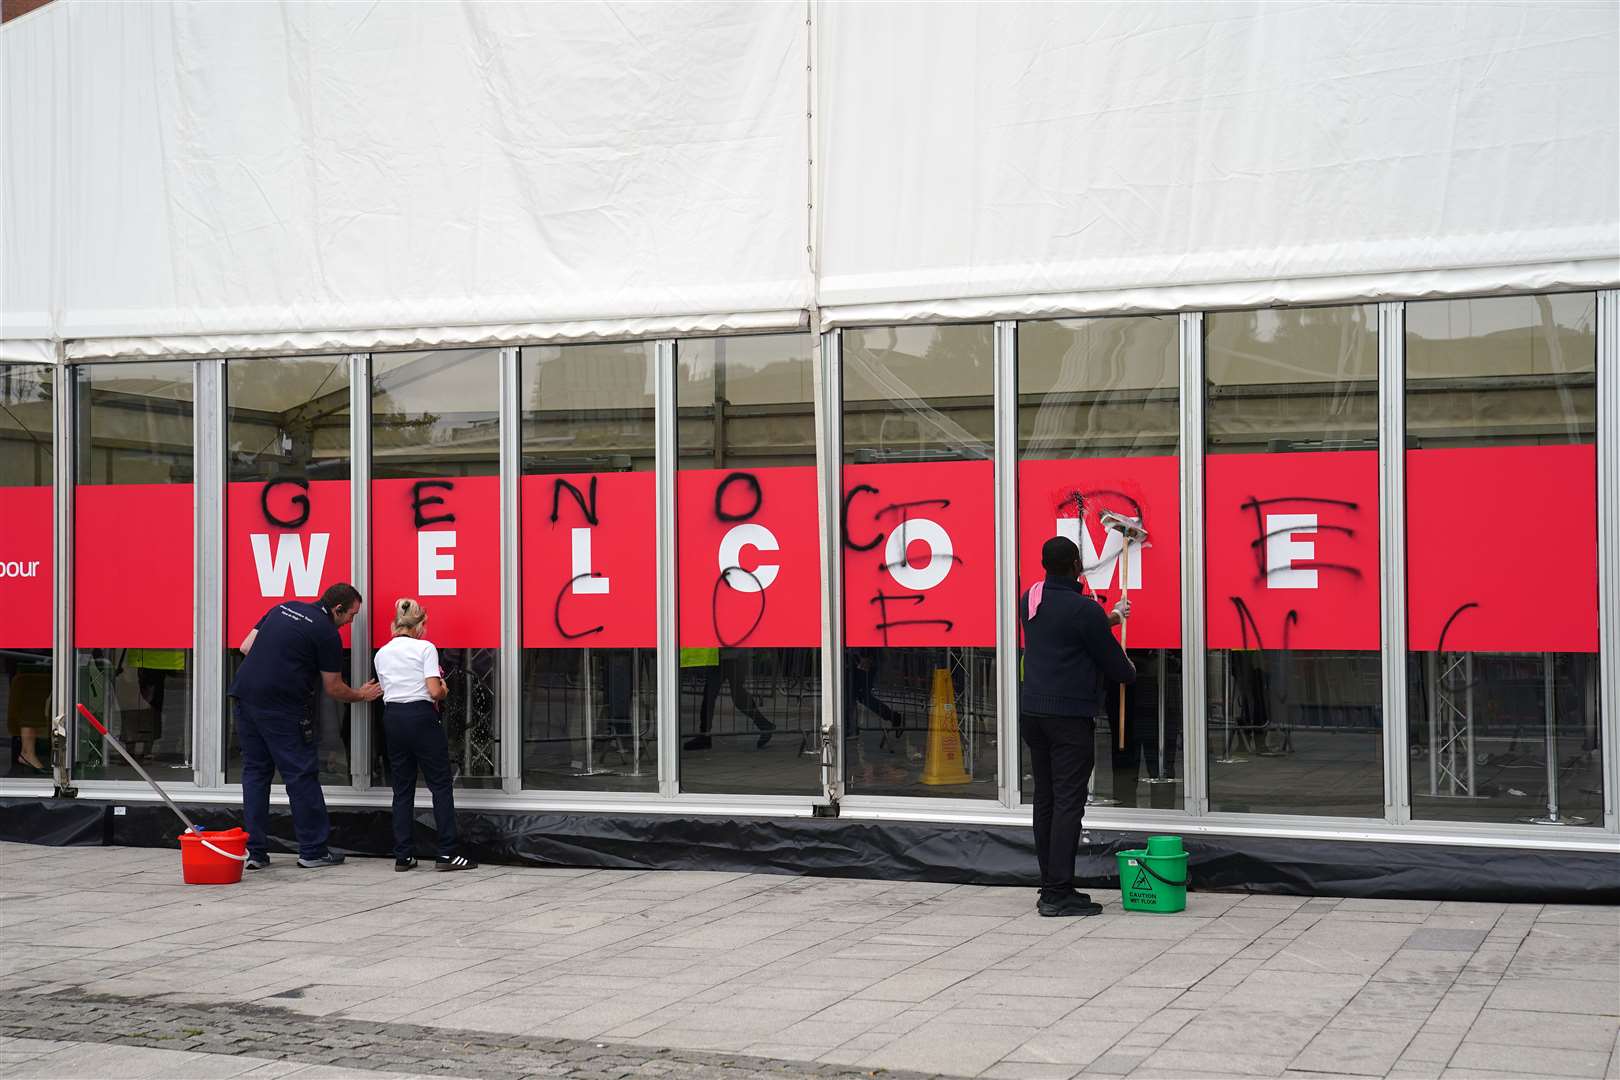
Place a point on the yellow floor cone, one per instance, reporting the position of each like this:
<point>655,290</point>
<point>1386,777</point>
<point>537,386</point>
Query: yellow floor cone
<point>944,761</point>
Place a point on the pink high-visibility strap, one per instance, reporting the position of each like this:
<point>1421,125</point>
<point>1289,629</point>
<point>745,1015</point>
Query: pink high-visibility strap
<point>1035,591</point>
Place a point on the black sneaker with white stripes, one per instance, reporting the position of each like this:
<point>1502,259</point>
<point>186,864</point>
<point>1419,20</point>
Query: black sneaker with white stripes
<point>454,862</point>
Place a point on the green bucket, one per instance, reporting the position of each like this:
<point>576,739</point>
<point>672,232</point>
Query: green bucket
<point>1154,878</point>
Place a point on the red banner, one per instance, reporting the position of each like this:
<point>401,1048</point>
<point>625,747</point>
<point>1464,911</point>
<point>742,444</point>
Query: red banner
<point>440,542</point>
<point>25,567</point>
<point>284,540</point>
<point>750,570</point>
<point>1050,494</point>
<point>590,561</point>
<point>919,554</point>
<point>1502,549</point>
<point>132,566</point>
<point>1291,556</point>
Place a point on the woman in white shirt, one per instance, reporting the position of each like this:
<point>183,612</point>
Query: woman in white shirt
<point>412,686</point>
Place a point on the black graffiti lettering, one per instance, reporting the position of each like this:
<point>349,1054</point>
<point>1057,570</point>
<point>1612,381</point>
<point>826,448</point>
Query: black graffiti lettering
<point>301,500</point>
<point>556,610</point>
<point>1258,545</point>
<point>1290,621</point>
<point>751,482</point>
<point>587,505</point>
<point>1440,647</point>
<point>849,497</point>
<point>419,501</point>
<point>904,508</point>
<point>714,606</point>
<point>885,624</point>
<point>1246,621</point>
<point>1082,499</point>
<point>953,557</point>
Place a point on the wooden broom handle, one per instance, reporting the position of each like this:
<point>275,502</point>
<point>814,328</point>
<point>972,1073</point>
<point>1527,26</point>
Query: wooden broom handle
<point>1124,627</point>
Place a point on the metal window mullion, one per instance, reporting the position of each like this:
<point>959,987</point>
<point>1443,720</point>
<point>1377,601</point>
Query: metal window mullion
<point>64,431</point>
<point>208,567</point>
<point>360,561</point>
<point>1194,687</point>
<point>1005,451</point>
<point>668,655</point>
<point>1392,555</point>
<point>511,655</point>
<point>1608,493</point>
<point>829,392</point>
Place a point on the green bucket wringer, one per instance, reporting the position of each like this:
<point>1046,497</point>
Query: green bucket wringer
<point>1154,878</point>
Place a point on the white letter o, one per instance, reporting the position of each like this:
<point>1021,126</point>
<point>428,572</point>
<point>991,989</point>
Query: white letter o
<point>940,554</point>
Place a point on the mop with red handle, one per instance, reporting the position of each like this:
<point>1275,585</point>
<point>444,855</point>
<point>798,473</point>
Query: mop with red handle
<point>191,826</point>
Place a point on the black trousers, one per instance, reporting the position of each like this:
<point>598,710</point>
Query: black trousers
<point>416,740</point>
<point>732,670</point>
<point>1062,750</point>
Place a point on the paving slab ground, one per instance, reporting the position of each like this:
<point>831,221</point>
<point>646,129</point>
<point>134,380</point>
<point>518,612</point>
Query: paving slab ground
<point>109,967</point>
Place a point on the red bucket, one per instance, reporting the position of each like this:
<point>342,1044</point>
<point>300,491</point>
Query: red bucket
<point>213,858</point>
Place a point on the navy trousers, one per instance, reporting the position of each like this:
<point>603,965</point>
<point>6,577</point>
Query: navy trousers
<point>416,741</point>
<point>1062,750</point>
<point>274,742</point>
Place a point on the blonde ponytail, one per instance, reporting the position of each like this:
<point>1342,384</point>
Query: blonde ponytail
<point>408,617</point>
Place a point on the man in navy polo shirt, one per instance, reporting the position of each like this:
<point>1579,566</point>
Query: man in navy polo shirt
<point>292,653</point>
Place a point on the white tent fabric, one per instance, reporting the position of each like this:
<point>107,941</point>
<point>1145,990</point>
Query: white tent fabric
<point>268,176</point>
<point>263,170</point>
<point>1010,158</point>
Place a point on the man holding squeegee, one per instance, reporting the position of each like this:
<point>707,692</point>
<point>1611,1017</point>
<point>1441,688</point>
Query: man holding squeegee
<point>1069,649</point>
<point>293,652</point>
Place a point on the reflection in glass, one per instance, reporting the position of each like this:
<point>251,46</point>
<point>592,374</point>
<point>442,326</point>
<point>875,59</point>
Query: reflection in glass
<point>749,713</point>
<point>134,441</point>
<point>1293,730</point>
<point>1109,388</point>
<point>918,405</point>
<point>287,420</point>
<point>26,425</point>
<point>1503,388</point>
<point>590,710</point>
<point>436,416</point>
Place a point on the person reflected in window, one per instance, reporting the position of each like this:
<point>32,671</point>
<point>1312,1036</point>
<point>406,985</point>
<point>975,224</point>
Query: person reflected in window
<point>1069,650</point>
<point>412,688</point>
<point>732,668</point>
<point>860,688</point>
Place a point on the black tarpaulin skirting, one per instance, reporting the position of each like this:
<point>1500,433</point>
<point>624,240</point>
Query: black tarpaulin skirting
<point>896,850</point>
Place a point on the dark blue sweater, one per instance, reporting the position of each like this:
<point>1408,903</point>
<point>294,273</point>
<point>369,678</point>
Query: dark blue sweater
<point>1069,650</point>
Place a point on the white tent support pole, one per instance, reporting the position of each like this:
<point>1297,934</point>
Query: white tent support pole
<point>208,705</point>
<point>1006,526</point>
<point>1608,451</point>
<point>668,656</point>
<point>510,697</point>
<point>1194,691</point>
<point>360,562</point>
<point>1391,511</point>
<point>64,670</point>
<point>828,376</point>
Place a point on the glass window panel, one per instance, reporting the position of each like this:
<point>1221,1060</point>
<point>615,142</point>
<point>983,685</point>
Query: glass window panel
<point>286,514</point>
<point>750,575</point>
<point>919,562</point>
<point>1502,676</point>
<point>133,551</point>
<point>1291,561</point>
<point>435,535</point>
<point>27,397</point>
<point>1099,417</point>
<point>590,598</point>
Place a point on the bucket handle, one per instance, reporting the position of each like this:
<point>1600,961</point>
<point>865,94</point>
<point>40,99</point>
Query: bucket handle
<point>1160,877</point>
<point>242,858</point>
